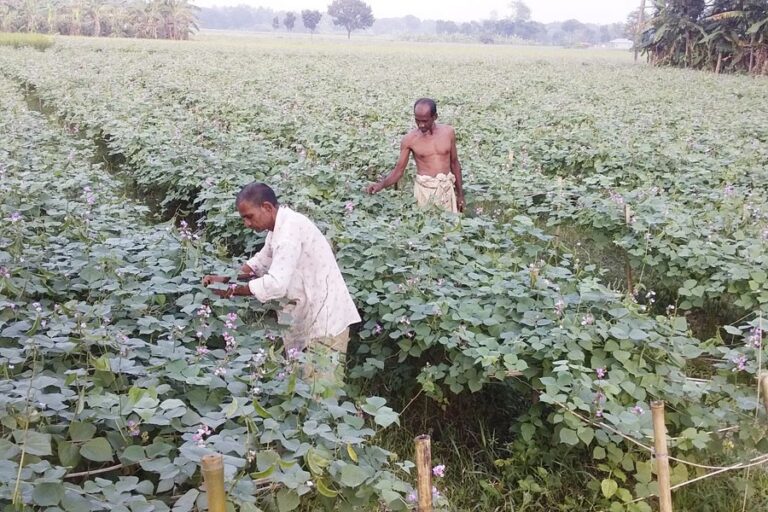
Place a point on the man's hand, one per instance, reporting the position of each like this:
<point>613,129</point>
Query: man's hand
<point>373,189</point>
<point>460,203</point>
<point>233,290</point>
<point>210,279</point>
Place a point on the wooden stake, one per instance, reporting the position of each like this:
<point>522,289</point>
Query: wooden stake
<point>662,456</point>
<point>213,475</point>
<point>424,469</point>
<point>763,383</point>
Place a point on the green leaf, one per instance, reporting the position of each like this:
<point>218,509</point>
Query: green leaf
<point>569,437</point>
<point>385,417</point>
<point>586,434</point>
<point>33,442</point>
<point>353,476</point>
<point>598,453</point>
<point>69,454</point>
<point>134,453</point>
<point>287,500</point>
<point>97,450</point>
<point>48,494</point>
<point>80,432</point>
<point>187,502</point>
<point>609,487</point>
<point>527,430</point>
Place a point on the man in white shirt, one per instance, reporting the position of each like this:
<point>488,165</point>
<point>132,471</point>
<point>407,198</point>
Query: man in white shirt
<point>297,267</point>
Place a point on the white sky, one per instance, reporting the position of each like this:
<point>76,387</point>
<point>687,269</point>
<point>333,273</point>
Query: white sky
<point>587,11</point>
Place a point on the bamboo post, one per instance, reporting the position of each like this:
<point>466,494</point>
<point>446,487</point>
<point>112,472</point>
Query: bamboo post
<point>763,384</point>
<point>661,455</point>
<point>627,263</point>
<point>424,472</point>
<point>213,476</point>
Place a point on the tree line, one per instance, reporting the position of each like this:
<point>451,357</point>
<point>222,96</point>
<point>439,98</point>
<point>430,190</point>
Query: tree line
<point>153,19</point>
<point>517,24</point>
<point>719,35</point>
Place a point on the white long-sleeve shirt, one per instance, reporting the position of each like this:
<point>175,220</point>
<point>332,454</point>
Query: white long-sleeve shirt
<point>297,266</point>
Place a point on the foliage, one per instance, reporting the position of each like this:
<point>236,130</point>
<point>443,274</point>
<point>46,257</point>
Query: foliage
<point>351,14</point>
<point>311,18</point>
<point>16,40</point>
<point>725,35</point>
<point>111,352</point>
<point>498,298</point>
<point>155,19</point>
<point>289,21</point>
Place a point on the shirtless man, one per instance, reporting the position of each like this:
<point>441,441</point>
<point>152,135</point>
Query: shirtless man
<point>438,172</point>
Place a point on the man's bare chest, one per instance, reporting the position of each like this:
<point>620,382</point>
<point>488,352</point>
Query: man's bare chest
<point>431,148</point>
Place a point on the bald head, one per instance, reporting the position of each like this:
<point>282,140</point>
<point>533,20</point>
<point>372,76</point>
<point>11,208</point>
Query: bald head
<point>428,105</point>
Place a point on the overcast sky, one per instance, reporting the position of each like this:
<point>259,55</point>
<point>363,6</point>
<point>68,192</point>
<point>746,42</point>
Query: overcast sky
<point>588,11</point>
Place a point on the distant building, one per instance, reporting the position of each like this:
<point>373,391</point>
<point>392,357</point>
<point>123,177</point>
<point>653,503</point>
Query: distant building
<point>621,44</point>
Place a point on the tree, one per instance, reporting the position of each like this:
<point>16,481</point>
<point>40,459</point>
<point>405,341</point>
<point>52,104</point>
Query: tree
<point>275,23</point>
<point>311,19</point>
<point>289,21</point>
<point>520,11</point>
<point>351,14</point>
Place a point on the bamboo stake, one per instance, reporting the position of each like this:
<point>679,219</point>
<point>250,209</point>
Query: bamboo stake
<point>627,263</point>
<point>213,475</point>
<point>763,383</point>
<point>424,469</point>
<point>662,457</point>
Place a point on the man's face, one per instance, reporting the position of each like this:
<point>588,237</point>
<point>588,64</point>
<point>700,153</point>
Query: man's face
<point>424,118</point>
<point>255,217</point>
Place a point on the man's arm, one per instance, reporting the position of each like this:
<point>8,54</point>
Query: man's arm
<point>257,266</point>
<point>273,284</point>
<point>456,170</point>
<point>397,172</point>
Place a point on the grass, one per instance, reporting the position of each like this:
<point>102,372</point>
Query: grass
<point>18,40</point>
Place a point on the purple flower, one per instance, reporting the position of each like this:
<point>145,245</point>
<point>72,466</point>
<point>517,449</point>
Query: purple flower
<point>90,198</point>
<point>5,273</point>
<point>601,373</point>
<point>231,321</point>
<point>220,371</point>
<point>15,217</point>
<point>588,319</point>
<point>293,354</point>
<point>439,470</point>
<point>202,432</point>
<point>599,413</point>
<point>412,497</point>
<point>637,410</point>
<point>559,307</point>
<point>228,339</point>
<point>377,330</point>
<point>202,350</point>
<point>133,428</point>
<point>204,311</point>
<point>435,493</point>
<point>741,363</point>
<point>756,337</point>
<point>349,207</point>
